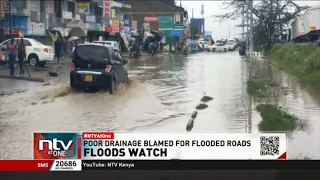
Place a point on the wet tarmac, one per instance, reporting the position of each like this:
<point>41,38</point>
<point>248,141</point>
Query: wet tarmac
<point>162,94</point>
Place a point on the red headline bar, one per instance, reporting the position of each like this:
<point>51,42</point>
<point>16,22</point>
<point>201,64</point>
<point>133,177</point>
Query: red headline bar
<point>25,165</point>
<point>97,135</point>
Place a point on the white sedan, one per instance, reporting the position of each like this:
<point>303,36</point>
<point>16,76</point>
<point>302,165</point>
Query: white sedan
<point>37,54</point>
<point>220,47</point>
<point>231,46</point>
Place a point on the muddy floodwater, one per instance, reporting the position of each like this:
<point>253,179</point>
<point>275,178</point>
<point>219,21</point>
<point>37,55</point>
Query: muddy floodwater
<point>161,96</point>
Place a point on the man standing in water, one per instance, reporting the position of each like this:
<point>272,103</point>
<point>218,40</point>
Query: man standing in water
<point>12,49</point>
<point>21,55</point>
<point>57,48</point>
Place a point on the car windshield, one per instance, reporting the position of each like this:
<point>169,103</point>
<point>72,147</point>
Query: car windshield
<point>220,44</point>
<point>91,53</point>
<point>37,42</point>
<point>230,43</point>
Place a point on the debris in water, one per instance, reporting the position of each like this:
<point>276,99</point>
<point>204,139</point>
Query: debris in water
<point>194,114</point>
<point>54,74</point>
<point>206,99</point>
<point>190,125</point>
<point>21,90</point>
<point>33,103</point>
<point>201,106</point>
<point>46,84</point>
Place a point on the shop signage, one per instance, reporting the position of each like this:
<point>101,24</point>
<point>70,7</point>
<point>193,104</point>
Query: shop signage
<point>176,33</point>
<point>165,22</point>
<point>126,6</point>
<point>106,21</point>
<point>134,26</point>
<point>66,15</point>
<point>107,8</point>
<point>116,4</point>
<point>36,28</point>
<point>71,24</point>
<point>178,27</point>
<point>6,5</point>
<point>150,19</point>
<point>115,25</point>
<point>83,7</point>
<point>91,19</point>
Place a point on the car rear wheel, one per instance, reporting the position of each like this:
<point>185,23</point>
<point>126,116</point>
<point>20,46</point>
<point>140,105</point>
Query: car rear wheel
<point>213,50</point>
<point>33,60</point>
<point>225,50</point>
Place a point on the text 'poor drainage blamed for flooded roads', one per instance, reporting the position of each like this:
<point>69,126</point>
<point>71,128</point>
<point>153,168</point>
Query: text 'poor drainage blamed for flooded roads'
<point>204,92</point>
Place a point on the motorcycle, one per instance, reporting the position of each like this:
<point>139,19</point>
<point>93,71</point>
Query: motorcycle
<point>152,52</point>
<point>242,51</point>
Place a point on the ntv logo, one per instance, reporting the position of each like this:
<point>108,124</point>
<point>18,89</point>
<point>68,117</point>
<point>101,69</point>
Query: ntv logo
<point>53,147</point>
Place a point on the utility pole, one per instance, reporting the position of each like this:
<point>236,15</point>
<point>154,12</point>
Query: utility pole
<point>250,101</point>
<point>10,19</point>
<point>247,33</point>
<point>251,29</point>
<point>192,13</point>
<point>242,32</point>
<point>202,10</point>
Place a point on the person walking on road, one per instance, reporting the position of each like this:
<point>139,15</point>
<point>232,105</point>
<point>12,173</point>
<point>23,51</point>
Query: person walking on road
<point>12,50</point>
<point>21,56</point>
<point>57,48</point>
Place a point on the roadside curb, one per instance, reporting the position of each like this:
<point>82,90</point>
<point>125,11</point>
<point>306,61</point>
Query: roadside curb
<point>40,80</point>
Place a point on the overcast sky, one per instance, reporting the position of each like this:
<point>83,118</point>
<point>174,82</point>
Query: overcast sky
<point>211,7</point>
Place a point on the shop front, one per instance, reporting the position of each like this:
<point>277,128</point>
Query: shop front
<point>94,27</point>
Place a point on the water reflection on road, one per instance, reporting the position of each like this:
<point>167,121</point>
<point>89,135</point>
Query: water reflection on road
<point>162,94</point>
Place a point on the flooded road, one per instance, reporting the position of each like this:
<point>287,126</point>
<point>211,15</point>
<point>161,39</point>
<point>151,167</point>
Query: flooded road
<point>161,96</point>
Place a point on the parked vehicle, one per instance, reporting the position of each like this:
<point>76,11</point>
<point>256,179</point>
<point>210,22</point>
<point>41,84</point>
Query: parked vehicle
<point>220,47</point>
<point>193,47</point>
<point>37,54</point>
<point>97,66</point>
<point>231,46</point>
<point>113,43</point>
<point>203,44</point>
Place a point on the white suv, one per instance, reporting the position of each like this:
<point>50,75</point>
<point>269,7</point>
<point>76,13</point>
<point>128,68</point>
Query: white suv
<point>111,43</point>
<point>37,54</point>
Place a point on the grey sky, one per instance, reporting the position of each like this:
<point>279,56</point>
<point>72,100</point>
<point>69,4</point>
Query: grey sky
<point>220,30</point>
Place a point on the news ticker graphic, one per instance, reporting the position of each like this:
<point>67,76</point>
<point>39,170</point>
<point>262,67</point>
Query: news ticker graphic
<point>159,146</point>
<point>87,165</point>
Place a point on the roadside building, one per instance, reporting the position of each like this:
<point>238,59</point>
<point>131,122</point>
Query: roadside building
<point>307,27</point>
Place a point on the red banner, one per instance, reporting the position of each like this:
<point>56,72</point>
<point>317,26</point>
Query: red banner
<point>107,8</point>
<point>25,165</point>
<point>150,19</point>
